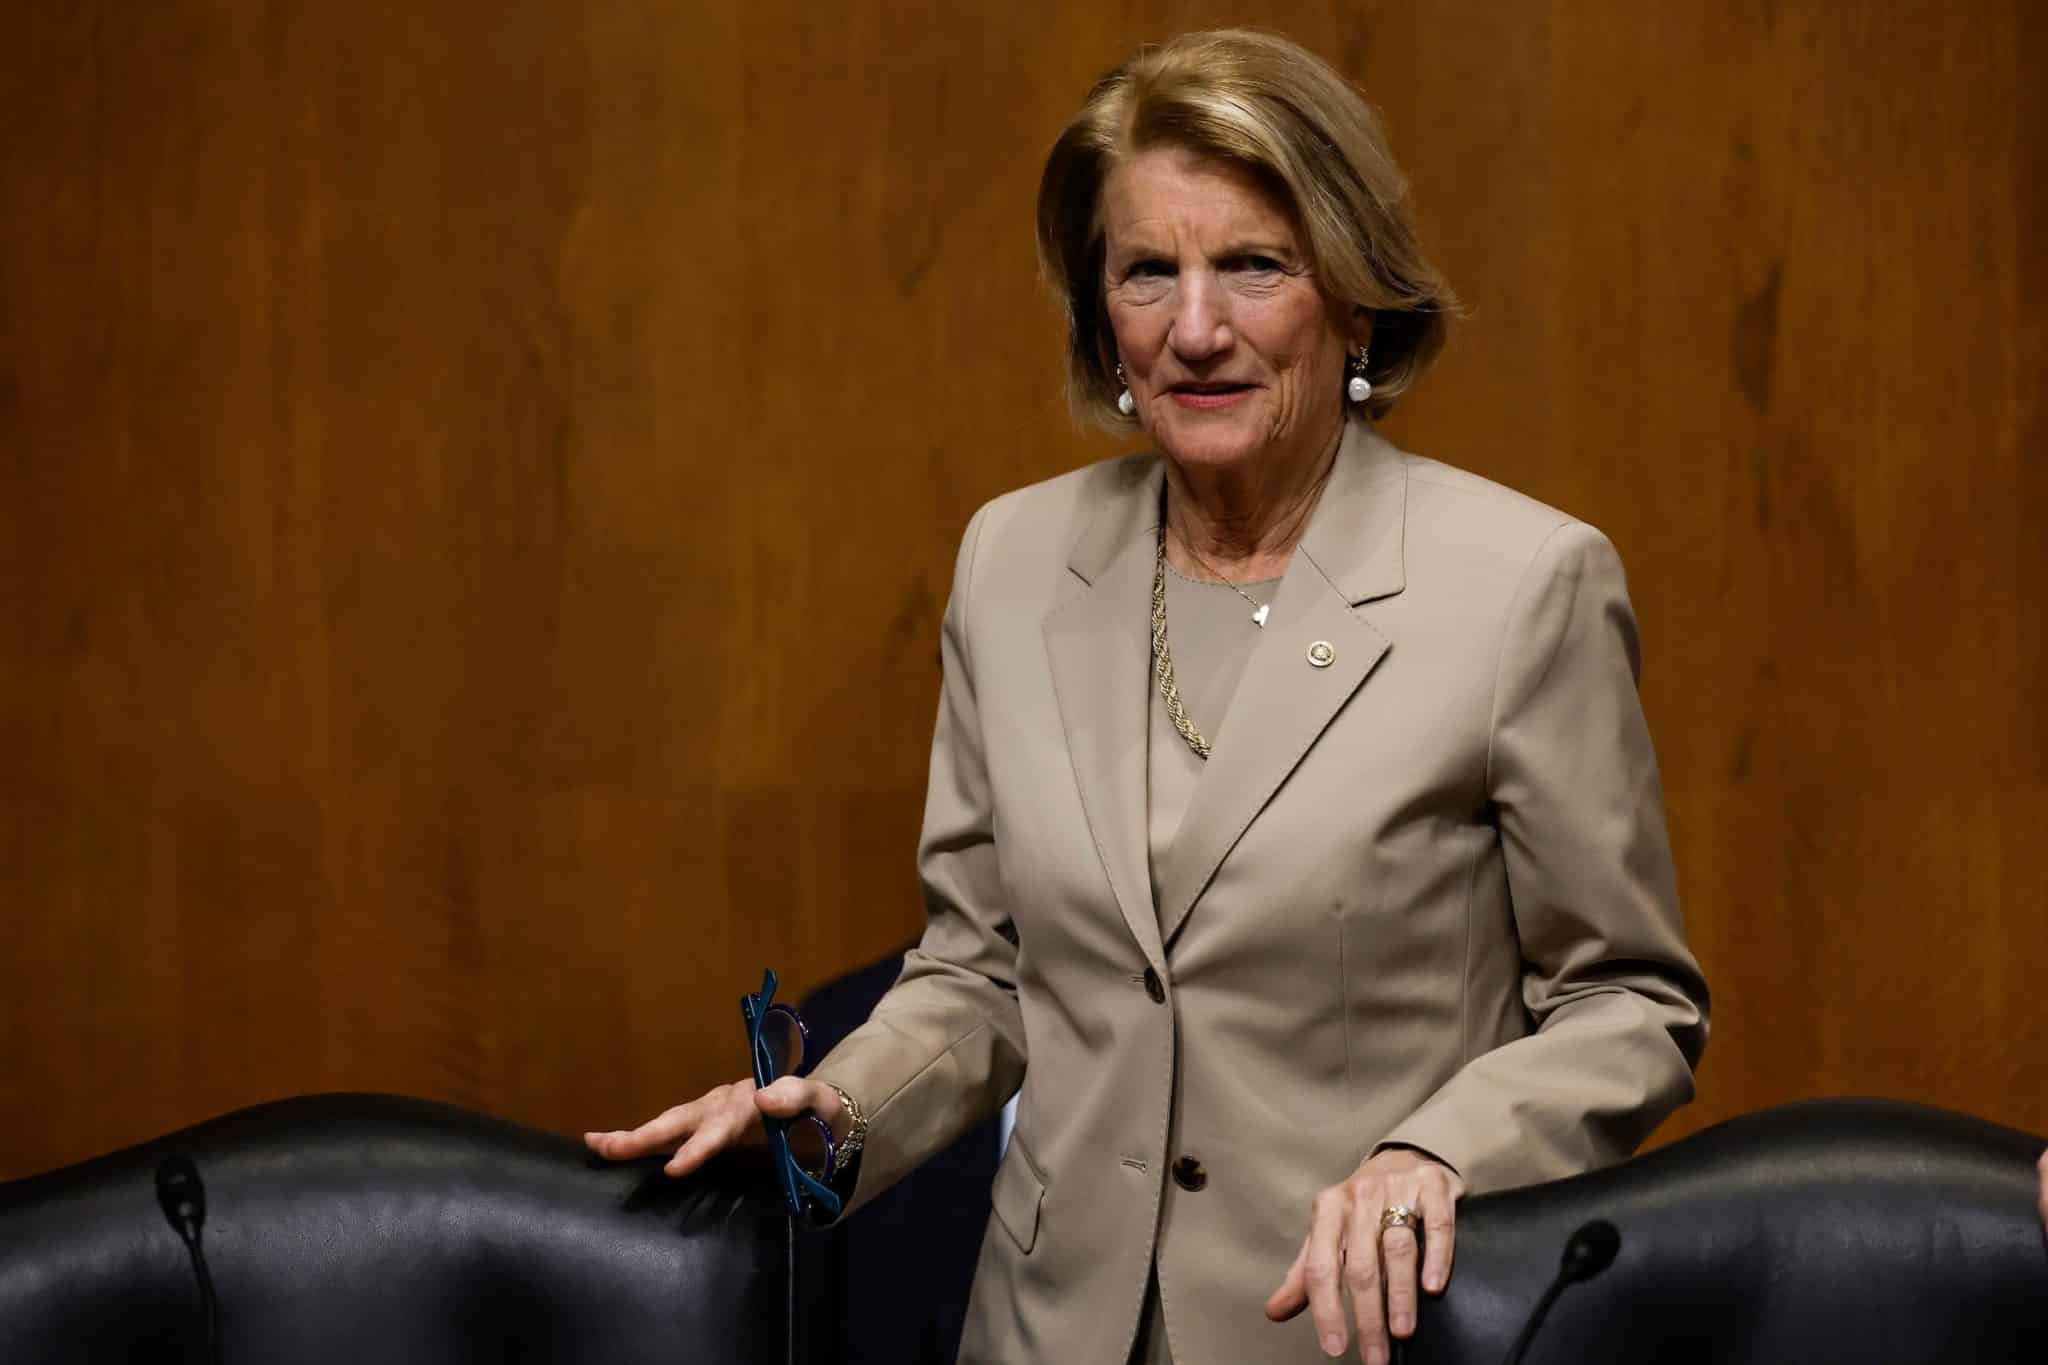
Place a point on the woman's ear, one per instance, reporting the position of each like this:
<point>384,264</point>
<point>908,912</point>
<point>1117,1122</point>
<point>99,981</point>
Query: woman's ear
<point>1361,327</point>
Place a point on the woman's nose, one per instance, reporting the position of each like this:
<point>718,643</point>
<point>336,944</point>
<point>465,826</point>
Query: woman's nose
<point>1201,324</point>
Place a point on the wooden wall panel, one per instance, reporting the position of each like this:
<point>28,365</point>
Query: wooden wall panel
<point>478,485</point>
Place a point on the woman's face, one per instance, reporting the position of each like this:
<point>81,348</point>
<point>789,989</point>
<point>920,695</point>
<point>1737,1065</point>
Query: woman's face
<point>1229,347</point>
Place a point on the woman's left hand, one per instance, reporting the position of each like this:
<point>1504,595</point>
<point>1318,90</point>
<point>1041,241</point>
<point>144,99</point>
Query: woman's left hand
<point>2044,1191</point>
<point>1345,1250</point>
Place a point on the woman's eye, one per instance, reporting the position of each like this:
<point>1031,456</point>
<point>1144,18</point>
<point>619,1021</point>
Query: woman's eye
<point>1258,265</point>
<point>1149,270</point>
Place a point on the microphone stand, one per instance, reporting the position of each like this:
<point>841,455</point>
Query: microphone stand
<point>183,1199</point>
<point>1587,1252</point>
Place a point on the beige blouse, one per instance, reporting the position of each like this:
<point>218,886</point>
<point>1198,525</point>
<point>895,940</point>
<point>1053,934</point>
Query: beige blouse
<point>1211,632</point>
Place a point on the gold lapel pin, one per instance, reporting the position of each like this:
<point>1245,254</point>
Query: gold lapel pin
<point>1321,654</point>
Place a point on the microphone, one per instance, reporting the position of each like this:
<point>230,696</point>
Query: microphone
<point>1587,1252</point>
<point>183,1199</point>
<point>181,1195</point>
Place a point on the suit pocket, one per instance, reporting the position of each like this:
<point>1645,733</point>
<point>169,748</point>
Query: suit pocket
<point>1017,1194</point>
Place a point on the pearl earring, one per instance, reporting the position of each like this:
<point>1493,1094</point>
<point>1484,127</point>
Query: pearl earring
<point>1125,404</point>
<point>1359,387</point>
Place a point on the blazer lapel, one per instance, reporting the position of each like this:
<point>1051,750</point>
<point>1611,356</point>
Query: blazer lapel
<point>1100,649</point>
<point>1350,554</point>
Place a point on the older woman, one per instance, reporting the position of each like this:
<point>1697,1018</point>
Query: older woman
<point>1293,837</point>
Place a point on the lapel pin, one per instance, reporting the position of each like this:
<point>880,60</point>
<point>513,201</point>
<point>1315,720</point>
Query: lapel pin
<point>1321,654</point>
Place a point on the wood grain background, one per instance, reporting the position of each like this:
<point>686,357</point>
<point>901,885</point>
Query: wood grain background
<point>478,484</point>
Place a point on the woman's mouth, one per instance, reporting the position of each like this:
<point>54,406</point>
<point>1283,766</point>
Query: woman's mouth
<point>1208,393</point>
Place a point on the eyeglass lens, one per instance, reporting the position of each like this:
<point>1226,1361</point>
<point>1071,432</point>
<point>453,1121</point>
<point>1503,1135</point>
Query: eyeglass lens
<point>782,1039</point>
<point>810,1144</point>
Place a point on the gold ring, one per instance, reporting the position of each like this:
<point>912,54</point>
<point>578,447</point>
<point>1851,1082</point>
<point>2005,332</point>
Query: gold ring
<point>1398,1216</point>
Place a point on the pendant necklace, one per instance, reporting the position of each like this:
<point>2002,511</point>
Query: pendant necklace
<point>1260,610</point>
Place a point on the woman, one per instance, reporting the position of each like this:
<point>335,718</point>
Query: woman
<point>1293,835</point>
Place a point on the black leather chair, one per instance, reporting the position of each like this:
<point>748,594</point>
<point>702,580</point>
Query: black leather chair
<point>1833,1230</point>
<point>374,1230</point>
<point>360,1228</point>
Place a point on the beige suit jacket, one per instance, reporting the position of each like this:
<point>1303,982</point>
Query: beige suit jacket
<point>1422,895</point>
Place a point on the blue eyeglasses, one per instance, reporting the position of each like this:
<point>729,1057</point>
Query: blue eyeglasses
<point>801,1148</point>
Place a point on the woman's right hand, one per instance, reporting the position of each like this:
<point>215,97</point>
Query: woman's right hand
<point>729,1116</point>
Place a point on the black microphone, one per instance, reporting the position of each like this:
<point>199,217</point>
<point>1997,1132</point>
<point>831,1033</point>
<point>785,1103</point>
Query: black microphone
<point>183,1200</point>
<point>1587,1252</point>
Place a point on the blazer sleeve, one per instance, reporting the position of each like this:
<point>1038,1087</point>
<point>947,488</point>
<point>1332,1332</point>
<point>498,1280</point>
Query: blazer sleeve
<point>944,1049</point>
<point>1617,1004</point>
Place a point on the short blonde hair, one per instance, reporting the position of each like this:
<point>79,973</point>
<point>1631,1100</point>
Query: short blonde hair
<point>1271,107</point>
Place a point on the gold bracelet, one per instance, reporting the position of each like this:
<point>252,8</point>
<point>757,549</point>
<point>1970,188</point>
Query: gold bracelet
<point>856,1133</point>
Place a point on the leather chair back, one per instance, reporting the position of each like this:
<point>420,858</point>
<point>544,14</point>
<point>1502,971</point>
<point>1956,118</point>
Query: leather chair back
<point>374,1229</point>
<point>1831,1230</point>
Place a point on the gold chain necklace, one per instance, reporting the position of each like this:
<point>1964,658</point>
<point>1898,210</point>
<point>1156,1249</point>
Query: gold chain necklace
<point>1162,653</point>
<point>1162,656</point>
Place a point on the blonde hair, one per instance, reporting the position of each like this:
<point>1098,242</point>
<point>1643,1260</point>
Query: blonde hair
<point>1278,111</point>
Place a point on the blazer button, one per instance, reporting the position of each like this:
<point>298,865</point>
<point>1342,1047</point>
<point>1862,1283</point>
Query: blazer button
<point>1154,987</point>
<point>1188,1174</point>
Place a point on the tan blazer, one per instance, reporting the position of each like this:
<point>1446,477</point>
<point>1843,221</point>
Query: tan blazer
<point>1422,895</point>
